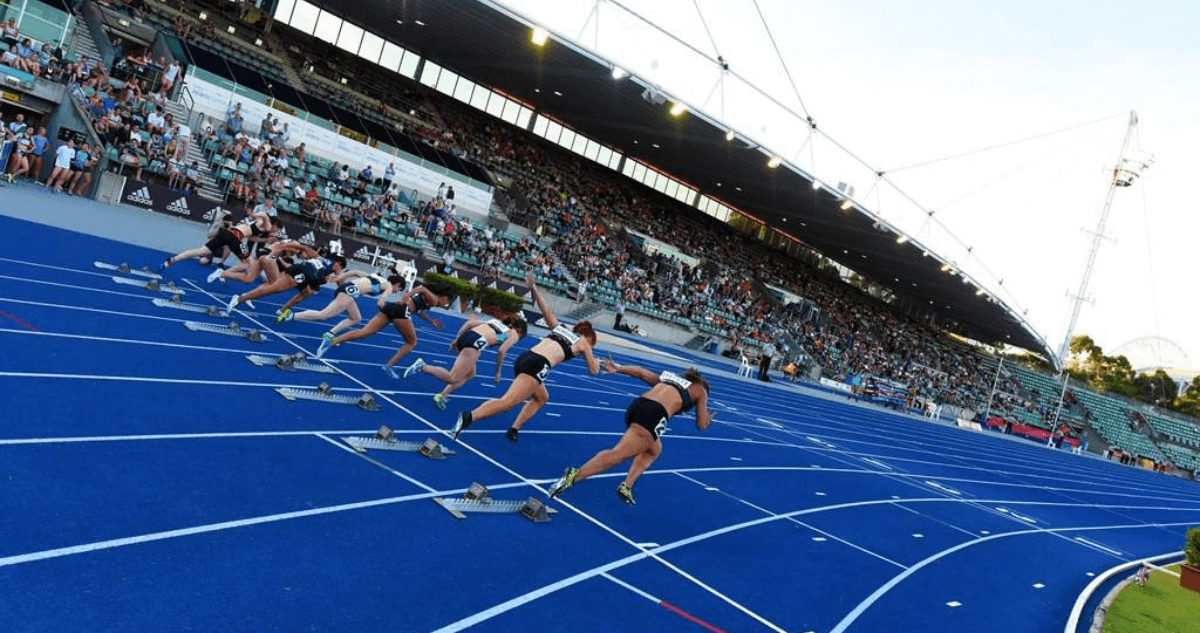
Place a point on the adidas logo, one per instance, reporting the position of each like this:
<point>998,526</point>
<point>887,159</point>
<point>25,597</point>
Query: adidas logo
<point>309,239</point>
<point>214,212</point>
<point>362,254</point>
<point>141,196</point>
<point>179,206</point>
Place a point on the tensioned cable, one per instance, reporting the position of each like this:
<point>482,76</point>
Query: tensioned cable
<point>1149,246</point>
<point>1007,144</point>
<point>704,23</point>
<point>781,61</point>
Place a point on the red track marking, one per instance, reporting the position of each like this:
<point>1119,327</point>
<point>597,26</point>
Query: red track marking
<point>18,321</point>
<point>688,616</point>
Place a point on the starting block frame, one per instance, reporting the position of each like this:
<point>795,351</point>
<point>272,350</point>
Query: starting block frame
<point>385,440</point>
<point>151,285</point>
<point>233,329</point>
<point>290,362</point>
<point>477,499</point>
<point>126,269</point>
<point>324,393</point>
<point>212,311</point>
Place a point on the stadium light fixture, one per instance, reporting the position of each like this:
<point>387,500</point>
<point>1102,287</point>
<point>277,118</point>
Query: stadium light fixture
<point>846,204</point>
<point>945,268</point>
<point>678,108</point>
<point>203,15</point>
<point>980,292</point>
<point>540,35</point>
<point>619,73</point>
<point>816,185</point>
<point>902,239</point>
<point>729,135</point>
<point>774,162</point>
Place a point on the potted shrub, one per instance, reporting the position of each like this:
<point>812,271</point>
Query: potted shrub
<point>492,301</point>
<point>1189,572</point>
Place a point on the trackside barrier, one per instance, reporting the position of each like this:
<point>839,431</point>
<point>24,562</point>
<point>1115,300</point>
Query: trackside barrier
<point>1077,610</point>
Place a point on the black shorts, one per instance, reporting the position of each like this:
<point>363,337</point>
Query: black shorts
<point>532,364</point>
<point>647,414</point>
<point>261,249</point>
<point>349,288</point>
<point>299,273</point>
<point>395,310</point>
<point>471,338</point>
<point>227,238</point>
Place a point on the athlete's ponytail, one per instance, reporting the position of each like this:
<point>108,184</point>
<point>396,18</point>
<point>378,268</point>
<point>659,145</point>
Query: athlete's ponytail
<point>584,329</point>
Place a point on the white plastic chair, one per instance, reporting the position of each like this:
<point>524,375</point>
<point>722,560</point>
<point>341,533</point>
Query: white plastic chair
<point>745,369</point>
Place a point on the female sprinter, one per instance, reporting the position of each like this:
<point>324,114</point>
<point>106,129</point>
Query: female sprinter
<point>351,285</point>
<point>532,367</point>
<point>645,422</point>
<point>474,337</point>
<point>414,302</point>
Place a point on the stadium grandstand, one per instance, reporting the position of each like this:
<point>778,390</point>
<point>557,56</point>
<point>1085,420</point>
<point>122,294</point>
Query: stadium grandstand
<point>449,145</point>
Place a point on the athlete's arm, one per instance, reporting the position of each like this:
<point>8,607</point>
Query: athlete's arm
<point>502,351</point>
<point>645,375</point>
<point>703,415</point>
<point>547,314</point>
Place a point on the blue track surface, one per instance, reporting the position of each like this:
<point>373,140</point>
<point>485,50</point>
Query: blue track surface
<point>153,480</point>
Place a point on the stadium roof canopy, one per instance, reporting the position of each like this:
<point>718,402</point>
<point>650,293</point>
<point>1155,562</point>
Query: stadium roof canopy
<point>493,47</point>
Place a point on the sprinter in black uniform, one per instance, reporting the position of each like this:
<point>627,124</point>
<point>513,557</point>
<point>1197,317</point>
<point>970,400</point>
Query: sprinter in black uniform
<point>399,313</point>
<point>645,421</point>
<point>474,337</point>
<point>306,275</point>
<point>222,236</point>
<point>532,367</point>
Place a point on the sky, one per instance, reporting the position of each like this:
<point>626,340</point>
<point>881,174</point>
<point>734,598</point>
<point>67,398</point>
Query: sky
<point>907,86</point>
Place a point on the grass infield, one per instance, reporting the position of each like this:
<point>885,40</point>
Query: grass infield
<point>1162,606</point>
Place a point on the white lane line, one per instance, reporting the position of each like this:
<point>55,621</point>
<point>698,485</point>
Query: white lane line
<point>889,585</point>
<point>598,523</point>
<point>167,436</point>
<point>200,529</point>
<point>630,587</point>
<point>1099,546</point>
<point>378,463</point>
<point>171,381</point>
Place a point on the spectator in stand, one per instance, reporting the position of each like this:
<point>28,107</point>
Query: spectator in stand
<point>156,122</point>
<point>168,78</point>
<point>267,207</point>
<point>311,200</point>
<point>40,143</point>
<point>192,178</point>
<point>389,175</point>
<point>10,33</point>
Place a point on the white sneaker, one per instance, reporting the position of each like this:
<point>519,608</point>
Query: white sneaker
<point>414,368</point>
<point>215,275</point>
<point>248,304</point>
<point>233,302</point>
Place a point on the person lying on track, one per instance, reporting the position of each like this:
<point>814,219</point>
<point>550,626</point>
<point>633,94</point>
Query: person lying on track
<point>532,367</point>
<point>416,302</point>
<point>645,421</point>
<point>475,336</point>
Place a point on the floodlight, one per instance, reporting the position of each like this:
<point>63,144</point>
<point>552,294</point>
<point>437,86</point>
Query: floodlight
<point>902,239</point>
<point>729,136</point>
<point>540,36</point>
<point>846,204</point>
<point>231,29</point>
<point>816,185</point>
<point>619,73</point>
<point>774,162</point>
<point>678,108</point>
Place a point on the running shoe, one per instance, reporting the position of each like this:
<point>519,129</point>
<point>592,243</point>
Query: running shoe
<point>215,274</point>
<point>464,420</point>
<point>626,494</point>
<point>511,433</point>
<point>414,368</point>
<point>390,371</point>
<point>248,304</point>
<point>440,401</point>
<point>233,302</point>
<point>166,263</point>
<point>564,482</point>
<point>326,343</point>
<point>286,315</point>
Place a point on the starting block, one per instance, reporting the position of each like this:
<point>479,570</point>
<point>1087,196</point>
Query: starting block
<point>291,362</point>
<point>151,285</point>
<point>324,393</point>
<point>176,302</point>
<point>126,269</point>
<point>478,499</point>
<point>385,440</point>
<point>233,329</point>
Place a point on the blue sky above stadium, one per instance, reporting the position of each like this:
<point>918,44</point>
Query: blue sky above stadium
<point>905,85</point>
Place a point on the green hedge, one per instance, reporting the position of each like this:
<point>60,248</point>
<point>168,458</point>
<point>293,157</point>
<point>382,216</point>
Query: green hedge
<point>479,293</point>
<point>1192,550</point>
